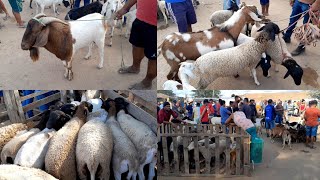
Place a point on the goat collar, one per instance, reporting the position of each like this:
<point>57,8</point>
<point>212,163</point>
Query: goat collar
<point>38,20</point>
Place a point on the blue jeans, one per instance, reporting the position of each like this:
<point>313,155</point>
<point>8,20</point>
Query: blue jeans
<point>279,119</point>
<point>77,3</point>
<point>298,7</point>
<point>270,124</point>
<point>311,131</point>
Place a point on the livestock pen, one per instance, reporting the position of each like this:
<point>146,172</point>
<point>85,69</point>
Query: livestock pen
<point>224,161</point>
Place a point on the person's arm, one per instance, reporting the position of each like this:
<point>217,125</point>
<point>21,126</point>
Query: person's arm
<point>176,116</point>
<point>125,8</point>
<point>229,120</point>
<point>315,6</point>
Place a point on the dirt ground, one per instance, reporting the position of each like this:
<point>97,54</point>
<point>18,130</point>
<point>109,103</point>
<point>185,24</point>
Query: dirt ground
<point>296,164</point>
<point>279,10</point>
<point>19,72</point>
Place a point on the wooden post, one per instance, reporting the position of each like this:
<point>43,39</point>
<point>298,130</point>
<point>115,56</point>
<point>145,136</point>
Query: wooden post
<point>165,155</point>
<point>196,154</point>
<point>185,155</point>
<point>19,105</point>
<point>238,155</point>
<point>11,105</point>
<point>217,158</point>
<point>246,149</point>
<point>175,154</point>
<point>227,153</point>
<point>208,157</point>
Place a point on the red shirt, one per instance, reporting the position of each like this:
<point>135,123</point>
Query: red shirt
<point>218,108</point>
<point>147,11</point>
<point>312,115</point>
<point>205,117</point>
<point>164,115</point>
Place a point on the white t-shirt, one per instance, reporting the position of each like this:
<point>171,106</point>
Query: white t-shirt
<point>196,112</point>
<point>241,120</point>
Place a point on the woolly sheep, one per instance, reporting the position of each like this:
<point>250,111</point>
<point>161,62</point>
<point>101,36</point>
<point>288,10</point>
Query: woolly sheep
<point>96,103</point>
<point>8,132</point>
<point>94,150</point>
<point>142,137</point>
<point>33,152</point>
<point>60,160</point>
<point>14,172</point>
<point>100,115</point>
<point>11,149</point>
<point>90,94</point>
<point>125,156</point>
<point>227,61</point>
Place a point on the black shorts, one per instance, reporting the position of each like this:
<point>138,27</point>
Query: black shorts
<point>144,35</point>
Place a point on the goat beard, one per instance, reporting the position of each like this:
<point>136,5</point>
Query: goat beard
<point>34,53</point>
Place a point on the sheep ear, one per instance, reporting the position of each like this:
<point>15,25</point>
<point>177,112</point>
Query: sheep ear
<point>42,38</point>
<point>261,28</point>
<point>287,74</point>
<point>272,35</point>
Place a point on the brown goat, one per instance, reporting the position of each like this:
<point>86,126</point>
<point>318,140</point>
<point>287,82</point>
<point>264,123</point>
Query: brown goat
<point>277,132</point>
<point>177,47</point>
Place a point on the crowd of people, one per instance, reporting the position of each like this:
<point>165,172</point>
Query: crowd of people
<point>243,113</point>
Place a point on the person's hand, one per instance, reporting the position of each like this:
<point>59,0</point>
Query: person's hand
<point>120,13</point>
<point>291,2</point>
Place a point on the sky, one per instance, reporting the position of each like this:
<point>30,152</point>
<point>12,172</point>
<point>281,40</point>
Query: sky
<point>228,93</point>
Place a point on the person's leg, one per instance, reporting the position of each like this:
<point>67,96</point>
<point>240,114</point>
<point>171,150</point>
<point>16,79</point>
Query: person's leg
<point>17,16</point>
<point>191,15</point>
<point>86,2</point>
<point>313,135</point>
<point>4,9</point>
<point>77,4</point>
<point>267,9</point>
<point>179,14</point>
<point>296,9</point>
<point>308,134</point>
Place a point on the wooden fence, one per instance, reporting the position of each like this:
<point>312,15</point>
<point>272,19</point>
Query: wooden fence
<point>236,161</point>
<point>16,112</point>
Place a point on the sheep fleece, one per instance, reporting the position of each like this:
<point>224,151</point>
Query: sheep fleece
<point>8,132</point>
<point>9,172</point>
<point>12,147</point>
<point>94,147</point>
<point>60,160</point>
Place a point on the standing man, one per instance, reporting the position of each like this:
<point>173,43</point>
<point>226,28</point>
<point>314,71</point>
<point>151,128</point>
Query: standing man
<point>269,116</point>
<point>298,6</point>
<point>246,108</point>
<point>165,114</point>
<point>225,113</point>
<point>311,116</point>
<point>230,108</point>
<point>16,6</point>
<point>253,110</point>
<point>189,108</point>
<point>279,112</point>
<point>183,14</point>
<point>143,38</point>
<point>205,110</point>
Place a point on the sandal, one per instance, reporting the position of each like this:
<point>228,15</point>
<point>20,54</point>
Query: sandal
<point>6,17</point>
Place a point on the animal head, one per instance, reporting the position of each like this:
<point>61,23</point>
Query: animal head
<point>253,13</point>
<point>294,70</point>
<point>66,3</point>
<point>57,120</point>
<point>121,104</point>
<point>172,85</point>
<point>107,104</point>
<point>36,34</point>
<point>272,29</point>
<point>187,68</point>
<point>69,109</point>
<point>83,109</point>
<point>109,8</point>
<point>265,64</point>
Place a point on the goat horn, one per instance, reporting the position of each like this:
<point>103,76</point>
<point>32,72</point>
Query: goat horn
<point>47,20</point>
<point>39,16</point>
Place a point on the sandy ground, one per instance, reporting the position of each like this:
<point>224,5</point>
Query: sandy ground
<point>279,10</point>
<point>19,72</point>
<point>297,164</point>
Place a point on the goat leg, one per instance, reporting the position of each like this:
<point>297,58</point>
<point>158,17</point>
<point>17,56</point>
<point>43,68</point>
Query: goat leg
<point>254,74</point>
<point>87,57</point>
<point>284,143</point>
<point>30,4</point>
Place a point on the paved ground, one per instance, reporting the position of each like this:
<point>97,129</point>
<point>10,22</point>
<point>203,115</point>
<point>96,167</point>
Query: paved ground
<point>19,72</point>
<point>279,10</point>
<point>297,164</point>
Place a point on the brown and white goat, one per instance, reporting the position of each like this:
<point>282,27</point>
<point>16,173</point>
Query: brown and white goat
<point>64,39</point>
<point>177,47</point>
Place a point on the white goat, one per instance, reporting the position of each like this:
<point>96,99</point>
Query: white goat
<point>45,3</point>
<point>164,10</point>
<point>131,16</point>
<point>108,10</point>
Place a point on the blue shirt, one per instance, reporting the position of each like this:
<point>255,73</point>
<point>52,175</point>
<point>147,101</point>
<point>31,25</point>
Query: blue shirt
<point>174,1</point>
<point>224,114</point>
<point>190,110</point>
<point>269,113</point>
<point>227,3</point>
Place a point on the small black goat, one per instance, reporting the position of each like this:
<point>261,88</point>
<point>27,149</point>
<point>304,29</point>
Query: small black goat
<point>77,13</point>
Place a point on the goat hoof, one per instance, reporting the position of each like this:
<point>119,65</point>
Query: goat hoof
<point>87,57</point>
<point>100,66</point>
<point>258,84</point>
<point>70,77</point>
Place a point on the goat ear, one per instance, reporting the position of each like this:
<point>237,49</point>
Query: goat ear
<point>254,16</point>
<point>287,74</point>
<point>42,38</point>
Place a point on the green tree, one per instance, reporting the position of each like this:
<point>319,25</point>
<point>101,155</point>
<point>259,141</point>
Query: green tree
<point>315,94</point>
<point>216,93</point>
<point>166,92</point>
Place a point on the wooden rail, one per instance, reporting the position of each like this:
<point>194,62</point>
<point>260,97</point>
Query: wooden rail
<point>206,158</point>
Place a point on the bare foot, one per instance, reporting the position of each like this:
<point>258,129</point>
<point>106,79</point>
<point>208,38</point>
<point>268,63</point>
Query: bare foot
<point>141,86</point>
<point>128,69</point>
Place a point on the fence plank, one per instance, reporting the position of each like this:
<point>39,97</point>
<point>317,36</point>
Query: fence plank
<point>203,134</point>
<point>217,158</point>
<point>175,154</point>
<point>246,149</point>
<point>40,102</point>
<point>19,105</point>
<point>196,154</point>
<point>185,155</point>
<point>238,147</point>
<point>33,95</point>
<point>208,158</point>
<point>8,97</point>
<point>228,154</point>
<point>165,155</point>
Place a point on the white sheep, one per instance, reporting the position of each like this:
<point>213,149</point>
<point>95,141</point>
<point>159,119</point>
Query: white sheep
<point>172,85</point>
<point>90,94</point>
<point>130,17</point>
<point>108,10</point>
<point>96,103</point>
<point>65,39</point>
<point>228,61</point>
<point>8,132</point>
<point>144,139</point>
<point>45,3</point>
<point>33,152</point>
<point>100,115</point>
<point>11,149</point>
<point>60,160</point>
<point>125,155</point>
<point>94,150</point>
<point>14,172</point>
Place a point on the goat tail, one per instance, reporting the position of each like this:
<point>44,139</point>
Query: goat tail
<point>34,54</point>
